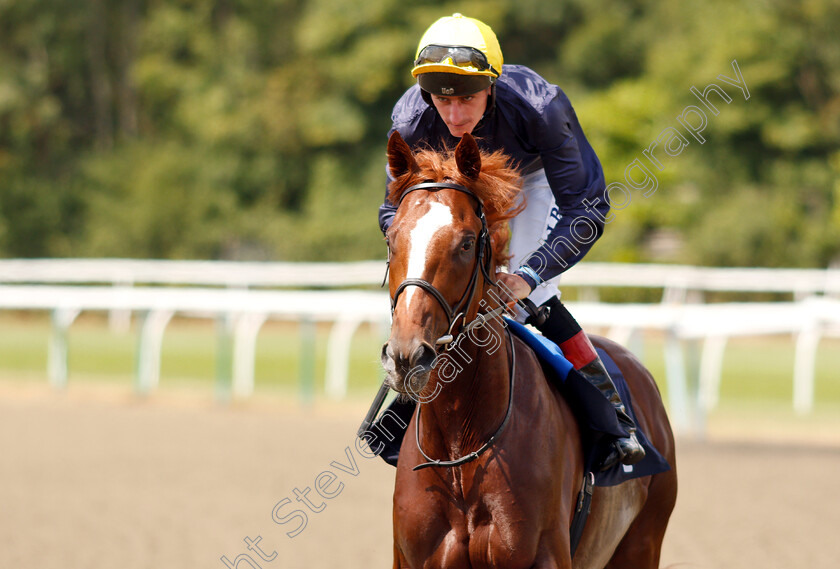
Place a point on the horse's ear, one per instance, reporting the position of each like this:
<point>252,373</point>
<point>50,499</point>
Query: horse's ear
<point>400,158</point>
<point>468,157</point>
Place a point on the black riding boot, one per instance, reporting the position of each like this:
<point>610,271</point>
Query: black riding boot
<point>561,328</point>
<point>625,450</point>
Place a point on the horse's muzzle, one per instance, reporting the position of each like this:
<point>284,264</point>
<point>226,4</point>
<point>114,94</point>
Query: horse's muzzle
<point>408,367</point>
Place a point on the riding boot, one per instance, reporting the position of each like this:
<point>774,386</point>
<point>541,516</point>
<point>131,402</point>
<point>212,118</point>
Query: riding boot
<point>561,328</point>
<point>626,450</point>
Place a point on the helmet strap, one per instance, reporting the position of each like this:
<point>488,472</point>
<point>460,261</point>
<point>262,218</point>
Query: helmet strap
<point>426,97</point>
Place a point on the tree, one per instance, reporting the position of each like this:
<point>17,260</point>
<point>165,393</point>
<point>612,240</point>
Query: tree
<point>256,128</point>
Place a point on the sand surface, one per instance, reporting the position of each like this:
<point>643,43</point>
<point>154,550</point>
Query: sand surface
<point>96,478</point>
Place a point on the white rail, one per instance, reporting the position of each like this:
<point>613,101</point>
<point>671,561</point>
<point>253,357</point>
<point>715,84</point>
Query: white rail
<point>799,282</point>
<point>199,273</point>
<point>244,311</point>
<point>248,310</point>
<point>227,294</point>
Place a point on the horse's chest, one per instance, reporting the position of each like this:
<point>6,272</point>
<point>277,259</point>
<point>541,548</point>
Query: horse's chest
<point>490,532</point>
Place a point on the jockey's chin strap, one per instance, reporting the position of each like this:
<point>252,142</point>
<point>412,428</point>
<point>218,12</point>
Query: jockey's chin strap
<point>456,316</point>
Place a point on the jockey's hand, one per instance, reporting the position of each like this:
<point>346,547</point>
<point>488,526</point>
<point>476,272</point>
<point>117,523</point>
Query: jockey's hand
<point>514,284</point>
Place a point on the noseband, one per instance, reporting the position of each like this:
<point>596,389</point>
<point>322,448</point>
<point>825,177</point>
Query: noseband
<point>484,258</point>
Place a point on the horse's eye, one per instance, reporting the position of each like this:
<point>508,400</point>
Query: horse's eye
<point>468,245</point>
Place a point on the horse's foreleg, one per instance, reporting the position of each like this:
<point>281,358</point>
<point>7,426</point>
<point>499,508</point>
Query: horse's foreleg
<point>399,559</point>
<point>556,555</point>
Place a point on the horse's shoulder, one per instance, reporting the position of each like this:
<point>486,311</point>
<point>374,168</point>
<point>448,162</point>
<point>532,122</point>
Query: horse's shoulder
<point>529,365</point>
<point>523,350</point>
<point>541,388</point>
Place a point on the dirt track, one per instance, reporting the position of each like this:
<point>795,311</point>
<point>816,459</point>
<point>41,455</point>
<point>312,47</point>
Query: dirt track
<point>93,481</point>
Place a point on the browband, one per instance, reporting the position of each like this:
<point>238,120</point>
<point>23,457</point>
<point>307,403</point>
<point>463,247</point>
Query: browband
<point>439,186</point>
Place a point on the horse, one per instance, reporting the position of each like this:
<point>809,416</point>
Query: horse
<point>491,468</point>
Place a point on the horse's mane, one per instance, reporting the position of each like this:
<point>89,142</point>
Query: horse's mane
<point>497,186</point>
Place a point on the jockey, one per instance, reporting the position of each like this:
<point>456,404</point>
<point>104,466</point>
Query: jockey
<point>463,87</point>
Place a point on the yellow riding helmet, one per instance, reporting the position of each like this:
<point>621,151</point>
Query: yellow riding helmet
<point>457,56</point>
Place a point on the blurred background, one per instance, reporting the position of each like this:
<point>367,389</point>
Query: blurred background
<point>252,132</point>
<point>256,130</point>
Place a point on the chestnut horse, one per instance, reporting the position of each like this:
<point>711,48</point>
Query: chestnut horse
<point>499,449</point>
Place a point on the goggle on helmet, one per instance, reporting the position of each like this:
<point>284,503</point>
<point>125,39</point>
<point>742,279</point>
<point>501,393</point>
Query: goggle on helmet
<point>457,56</point>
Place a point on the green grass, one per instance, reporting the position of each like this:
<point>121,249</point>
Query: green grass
<point>760,369</point>
<point>188,356</point>
<point>755,369</point>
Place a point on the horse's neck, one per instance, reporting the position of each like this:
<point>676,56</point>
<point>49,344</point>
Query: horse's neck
<point>472,401</point>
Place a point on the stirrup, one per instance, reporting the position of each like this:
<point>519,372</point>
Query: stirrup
<point>626,450</point>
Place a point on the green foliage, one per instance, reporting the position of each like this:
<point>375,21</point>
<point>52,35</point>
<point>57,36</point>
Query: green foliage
<point>158,202</point>
<point>256,129</point>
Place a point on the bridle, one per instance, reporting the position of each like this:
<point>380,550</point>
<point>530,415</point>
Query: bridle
<point>484,259</point>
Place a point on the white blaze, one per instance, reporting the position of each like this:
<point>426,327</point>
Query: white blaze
<point>438,216</point>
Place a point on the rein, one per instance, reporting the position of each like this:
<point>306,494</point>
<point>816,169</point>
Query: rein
<point>475,454</point>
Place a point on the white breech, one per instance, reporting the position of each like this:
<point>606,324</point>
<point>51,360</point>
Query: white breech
<point>530,229</point>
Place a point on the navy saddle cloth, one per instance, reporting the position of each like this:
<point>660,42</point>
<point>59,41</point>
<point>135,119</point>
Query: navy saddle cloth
<point>597,418</point>
<point>554,363</point>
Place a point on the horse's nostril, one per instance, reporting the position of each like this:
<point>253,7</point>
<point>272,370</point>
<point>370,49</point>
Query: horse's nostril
<point>387,358</point>
<point>423,355</point>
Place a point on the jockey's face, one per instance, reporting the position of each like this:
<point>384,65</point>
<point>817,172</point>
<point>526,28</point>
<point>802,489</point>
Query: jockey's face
<point>461,114</point>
